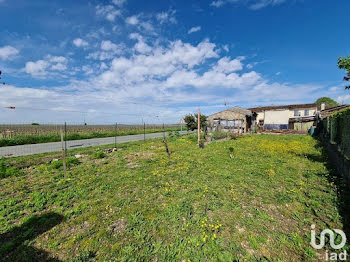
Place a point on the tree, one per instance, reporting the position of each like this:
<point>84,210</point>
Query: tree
<point>191,121</point>
<point>344,63</point>
<point>328,101</point>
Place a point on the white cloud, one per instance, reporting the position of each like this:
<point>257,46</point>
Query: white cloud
<point>176,66</point>
<point>119,3</point>
<point>108,12</point>
<point>253,4</point>
<point>344,99</point>
<point>167,17</point>
<point>87,69</point>
<point>8,52</point>
<point>108,51</point>
<point>226,65</point>
<point>194,29</point>
<point>226,48</point>
<point>147,26</point>
<point>162,79</point>
<point>141,46</point>
<point>264,3</point>
<point>36,69</point>
<point>219,3</point>
<point>78,42</point>
<point>48,66</point>
<point>146,69</point>
<point>132,20</point>
<point>103,66</point>
<point>109,46</point>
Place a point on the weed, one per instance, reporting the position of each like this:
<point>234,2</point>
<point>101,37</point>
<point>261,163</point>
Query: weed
<point>217,135</point>
<point>70,161</point>
<point>99,154</point>
<point>6,171</point>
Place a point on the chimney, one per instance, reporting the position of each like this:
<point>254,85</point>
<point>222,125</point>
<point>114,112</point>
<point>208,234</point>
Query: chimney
<point>323,106</point>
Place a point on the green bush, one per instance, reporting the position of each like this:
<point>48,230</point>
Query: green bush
<point>6,171</point>
<point>194,137</point>
<point>218,135</point>
<point>201,143</point>
<point>232,136</point>
<point>99,154</point>
<point>70,161</point>
<point>174,135</point>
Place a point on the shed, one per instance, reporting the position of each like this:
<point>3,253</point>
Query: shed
<point>234,119</point>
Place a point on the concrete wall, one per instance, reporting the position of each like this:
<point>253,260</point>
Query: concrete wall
<point>279,119</point>
<point>276,117</point>
<point>260,116</point>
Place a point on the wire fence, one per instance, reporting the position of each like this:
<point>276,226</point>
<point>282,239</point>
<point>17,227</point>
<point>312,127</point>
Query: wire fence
<point>34,138</point>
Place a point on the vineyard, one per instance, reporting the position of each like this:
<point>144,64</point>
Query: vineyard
<point>11,135</point>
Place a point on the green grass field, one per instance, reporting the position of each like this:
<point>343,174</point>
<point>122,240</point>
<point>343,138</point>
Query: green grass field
<point>250,199</point>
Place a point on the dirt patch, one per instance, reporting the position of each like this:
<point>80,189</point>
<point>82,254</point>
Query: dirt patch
<point>132,158</point>
<point>118,226</point>
<point>240,230</point>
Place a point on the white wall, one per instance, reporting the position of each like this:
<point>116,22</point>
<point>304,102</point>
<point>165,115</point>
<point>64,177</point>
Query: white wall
<point>312,112</point>
<point>277,117</point>
<point>260,116</point>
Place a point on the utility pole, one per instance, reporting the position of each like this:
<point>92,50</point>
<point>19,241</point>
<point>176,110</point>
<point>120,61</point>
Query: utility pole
<point>199,127</point>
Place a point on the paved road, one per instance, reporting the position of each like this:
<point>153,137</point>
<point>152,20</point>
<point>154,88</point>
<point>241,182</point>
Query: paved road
<point>24,150</point>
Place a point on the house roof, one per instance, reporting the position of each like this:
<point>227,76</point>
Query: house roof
<point>231,113</point>
<point>327,112</point>
<point>296,106</point>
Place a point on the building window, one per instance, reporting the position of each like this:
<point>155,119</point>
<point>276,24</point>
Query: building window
<point>307,112</point>
<point>296,113</point>
<point>216,123</point>
<point>231,123</point>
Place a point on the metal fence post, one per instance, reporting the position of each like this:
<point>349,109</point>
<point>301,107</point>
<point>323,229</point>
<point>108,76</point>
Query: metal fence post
<point>144,131</point>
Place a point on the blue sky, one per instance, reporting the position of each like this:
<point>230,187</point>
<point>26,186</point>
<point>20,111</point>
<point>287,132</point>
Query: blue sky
<point>128,60</point>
